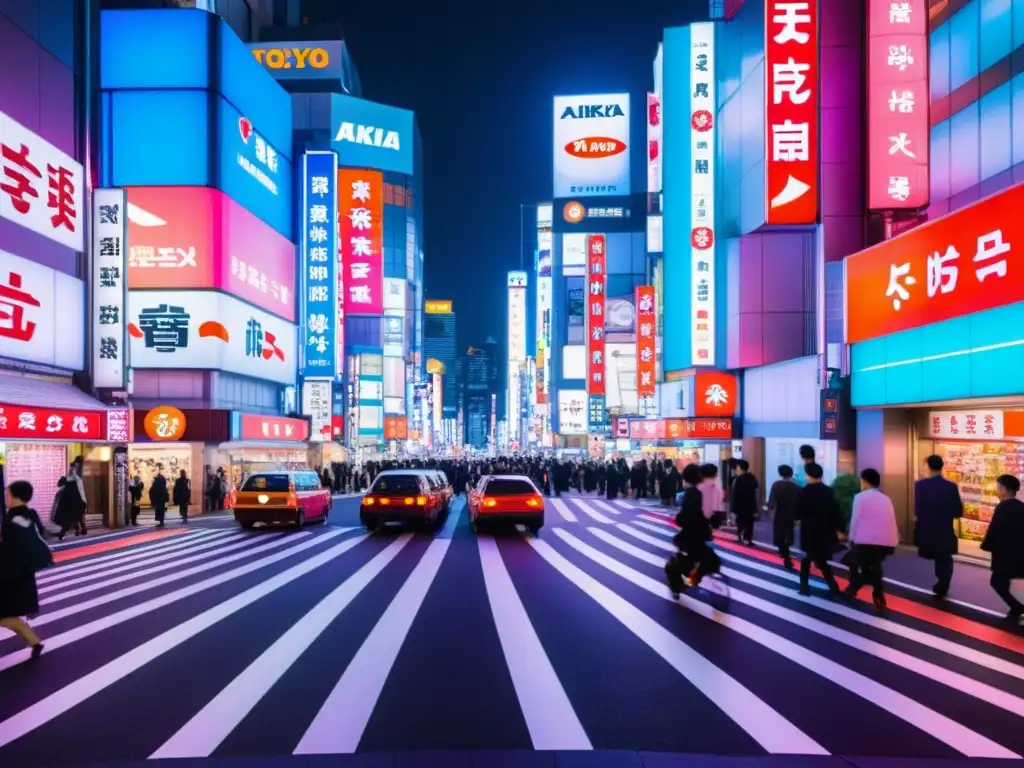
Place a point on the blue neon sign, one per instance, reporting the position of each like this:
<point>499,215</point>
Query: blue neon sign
<point>370,135</point>
<point>319,265</point>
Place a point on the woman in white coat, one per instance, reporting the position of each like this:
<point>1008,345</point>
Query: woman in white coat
<point>873,536</point>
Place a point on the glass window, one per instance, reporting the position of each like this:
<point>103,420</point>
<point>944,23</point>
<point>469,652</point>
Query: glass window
<point>938,63</point>
<point>995,132</point>
<point>963,48</point>
<point>940,162</point>
<point>396,484</point>
<point>996,31</point>
<point>1017,118</point>
<point>1018,24</point>
<point>963,142</point>
<point>267,483</point>
<point>503,487</point>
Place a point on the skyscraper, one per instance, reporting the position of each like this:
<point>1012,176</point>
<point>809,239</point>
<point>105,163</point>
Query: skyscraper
<point>480,367</point>
<point>439,343</point>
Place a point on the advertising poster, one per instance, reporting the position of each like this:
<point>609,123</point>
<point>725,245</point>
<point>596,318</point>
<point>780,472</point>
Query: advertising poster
<point>199,238</point>
<point>898,105</point>
<point>645,344</point>
<point>319,266</point>
<point>591,145</point>
<point>702,185</point>
<point>109,289</point>
<point>371,135</point>
<point>572,412</point>
<point>361,213</point>
<point>517,282</point>
<point>791,111</point>
<point>596,295</point>
<point>205,330</point>
<point>316,404</point>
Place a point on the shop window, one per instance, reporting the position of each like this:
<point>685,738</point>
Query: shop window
<point>963,133</point>
<point>400,195</point>
<point>964,34</point>
<point>995,132</point>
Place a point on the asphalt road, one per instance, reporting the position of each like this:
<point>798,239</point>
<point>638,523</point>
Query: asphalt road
<point>214,642</point>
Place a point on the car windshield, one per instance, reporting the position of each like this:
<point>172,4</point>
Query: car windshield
<point>508,487</point>
<point>267,483</point>
<point>396,484</point>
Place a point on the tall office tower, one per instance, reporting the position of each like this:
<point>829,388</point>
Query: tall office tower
<point>439,343</point>
<point>480,371</point>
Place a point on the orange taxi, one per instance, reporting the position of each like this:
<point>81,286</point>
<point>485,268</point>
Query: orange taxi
<point>293,497</point>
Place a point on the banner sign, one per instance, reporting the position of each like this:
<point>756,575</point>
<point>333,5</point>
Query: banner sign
<point>316,404</point>
<point>596,294</point>
<point>361,212</point>
<point>319,327</point>
<point>645,346</point>
<point>109,288</point>
<point>702,187</point>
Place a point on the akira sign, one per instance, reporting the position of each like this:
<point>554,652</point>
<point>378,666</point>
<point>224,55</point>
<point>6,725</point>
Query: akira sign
<point>956,265</point>
<point>791,111</point>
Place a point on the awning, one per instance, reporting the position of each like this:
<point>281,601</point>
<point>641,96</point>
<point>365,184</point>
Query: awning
<point>40,392</point>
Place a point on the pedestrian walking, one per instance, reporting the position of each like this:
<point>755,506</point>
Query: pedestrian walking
<point>158,495</point>
<point>937,505</point>
<point>135,489</point>
<point>874,536</point>
<point>712,495</point>
<point>743,501</point>
<point>23,552</point>
<point>782,500</point>
<point>182,495</point>
<point>1005,540</point>
<point>69,506</point>
<point>817,511</point>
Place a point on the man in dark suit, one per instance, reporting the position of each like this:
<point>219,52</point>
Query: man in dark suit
<point>936,505</point>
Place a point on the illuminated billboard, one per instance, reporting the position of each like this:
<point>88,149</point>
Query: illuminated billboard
<point>361,217</point>
<point>198,238</point>
<point>319,266</point>
<point>702,188</point>
<point>517,316</point>
<point>307,60</point>
<point>370,135</point>
<point>437,307</point>
<point>591,145</point>
<point>206,330</point>
<point>597,282</point>
<point>653,142</point>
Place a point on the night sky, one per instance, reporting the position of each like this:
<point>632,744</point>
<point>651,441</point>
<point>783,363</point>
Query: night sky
<point>481,77</point>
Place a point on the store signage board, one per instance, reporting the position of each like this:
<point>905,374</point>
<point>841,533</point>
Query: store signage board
<point>716,394</point>
<point>109,288</point>
<point>597,282</point>
<point>898,104</point>
<point>41,188</point>
<point>702,188</point>
<point>591,152</point>
<point>319,328</point>
<point>316,404</point>
<point>645,341</point>
<point>956,265</point>
<point>680,429</point>
<point>29,424</point>
<point>119,425</point>
<point>966,425</point>
<point>791,111</point>
<point>247,426</point>
<point>396,428</point>
<point>361,214</point>
<point>42,314</point>
<point>165,423</point>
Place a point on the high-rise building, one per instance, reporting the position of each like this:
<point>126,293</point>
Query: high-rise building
<point>439,343</point>
<point>480,383</point>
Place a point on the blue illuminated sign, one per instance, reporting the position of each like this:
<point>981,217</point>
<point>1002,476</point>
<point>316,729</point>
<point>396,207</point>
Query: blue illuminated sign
<point>320,265</point>
<point>163,138</point>
<point>371,135</point>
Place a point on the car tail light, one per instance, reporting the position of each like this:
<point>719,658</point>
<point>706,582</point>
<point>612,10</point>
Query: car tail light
<point>368,501</point>
<point>409,501</point>
<point>490,502</point>
<point>293,499</point>
<point>421,501</point>
<point>385,501</point>
<point>534,501</point>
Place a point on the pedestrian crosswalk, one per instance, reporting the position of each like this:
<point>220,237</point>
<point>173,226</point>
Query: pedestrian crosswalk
<point>222,642</point>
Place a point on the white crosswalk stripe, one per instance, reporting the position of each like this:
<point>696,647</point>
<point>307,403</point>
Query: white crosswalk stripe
<point>268,608</point>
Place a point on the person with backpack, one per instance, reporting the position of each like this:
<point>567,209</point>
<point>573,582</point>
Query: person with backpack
<point>23,552</point>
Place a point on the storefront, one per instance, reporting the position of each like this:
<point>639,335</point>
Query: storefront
<point>261,444</point>
<point>685,441</point>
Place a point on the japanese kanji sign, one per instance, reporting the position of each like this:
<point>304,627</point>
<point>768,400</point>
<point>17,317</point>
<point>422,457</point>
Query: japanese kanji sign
<point>317,404</point>
<point>597,282</point>
<point>109,288</point>
<point>198,237</point>
<point>702,188</point>
<point>361,213</point>
<point>953,266</point>
<point>966,425</point>
<point>319,327</point>
<point>21,422</point>
<point>898,100</point>
<point>40,187</point>
<point>680,429</point>
<point>645,347</point>
<point>791,111</point>
<point>247,426</point>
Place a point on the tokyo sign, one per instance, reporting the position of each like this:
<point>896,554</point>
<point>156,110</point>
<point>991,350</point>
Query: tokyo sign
<point>898,100</point>
<point>791,111</point>
<point>597,259</point>
<point>645,348</point>
<point>953,266</point>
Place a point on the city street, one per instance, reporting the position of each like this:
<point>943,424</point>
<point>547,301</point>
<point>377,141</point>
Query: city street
<point>213,642</point>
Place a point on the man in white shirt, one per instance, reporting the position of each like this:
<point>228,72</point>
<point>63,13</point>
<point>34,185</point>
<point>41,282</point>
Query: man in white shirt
<point>873,536</point>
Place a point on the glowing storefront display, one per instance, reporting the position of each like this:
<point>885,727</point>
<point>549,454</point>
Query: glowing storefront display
<point>591,145</point>
<point>791,111</point>
<point>702,188</point>
<point>898,104</point>
<point>319,265</point>
<point>361,213</point>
